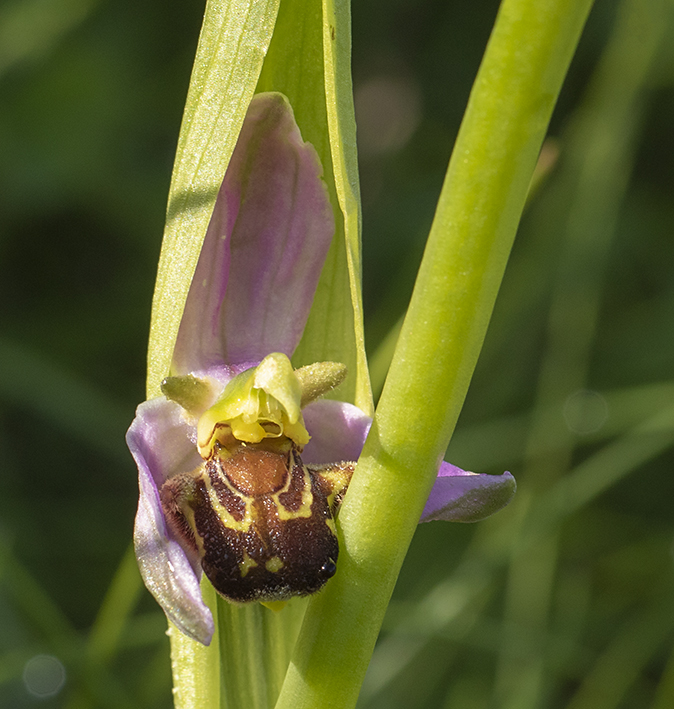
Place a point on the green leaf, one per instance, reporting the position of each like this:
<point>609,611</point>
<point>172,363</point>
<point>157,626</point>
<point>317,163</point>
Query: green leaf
<point>232,45</point>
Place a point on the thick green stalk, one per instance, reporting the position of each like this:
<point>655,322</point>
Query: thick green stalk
<point>468,247</point>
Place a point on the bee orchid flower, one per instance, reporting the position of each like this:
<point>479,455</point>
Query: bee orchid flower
<point>242,465</point>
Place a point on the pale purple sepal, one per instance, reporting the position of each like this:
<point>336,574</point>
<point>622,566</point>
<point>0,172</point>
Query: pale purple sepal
<point>338,431</point>
<point>162,438</point>
<point>461,496</point>
<point>264,250</point>
<point>161,442</point>
<point>165,568</point>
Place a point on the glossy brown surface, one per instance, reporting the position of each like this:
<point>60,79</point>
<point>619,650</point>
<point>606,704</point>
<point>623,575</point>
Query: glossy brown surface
<point>256,472</point>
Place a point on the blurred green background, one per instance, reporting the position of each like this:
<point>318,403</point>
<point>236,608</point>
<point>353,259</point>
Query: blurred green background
<point>565,599</point>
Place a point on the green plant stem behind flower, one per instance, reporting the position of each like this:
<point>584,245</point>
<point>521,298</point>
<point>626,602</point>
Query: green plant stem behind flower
<point>309,61</point>
<point>468,247</point>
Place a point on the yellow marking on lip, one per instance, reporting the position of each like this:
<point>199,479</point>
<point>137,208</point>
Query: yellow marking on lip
<point>274,565</point>
<point>274,605</point>
<point>338,477</point>
<point>223,513</point>
<point>246,565</point>
<point>188,513</point>
<point>307,499</point>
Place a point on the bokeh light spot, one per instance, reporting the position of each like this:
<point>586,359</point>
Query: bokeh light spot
<point>44,676</point>
<point>388,111</point>
<point>585,411</point>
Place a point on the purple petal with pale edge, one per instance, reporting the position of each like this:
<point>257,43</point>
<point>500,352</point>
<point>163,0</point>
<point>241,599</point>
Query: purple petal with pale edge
<point>163,439</point>
<point>264,250</point>
<point>160,442</point>
<point>165,569</point>
<point>338,431</point>
<point>460,496</point>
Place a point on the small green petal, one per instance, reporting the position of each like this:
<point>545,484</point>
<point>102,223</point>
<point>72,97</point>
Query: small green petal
<point>318,379</point>
<point>192,393</point>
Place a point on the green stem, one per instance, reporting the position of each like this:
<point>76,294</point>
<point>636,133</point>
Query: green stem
<point>468,247</point>
<point>196,668</point>
<point>255,645</point>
